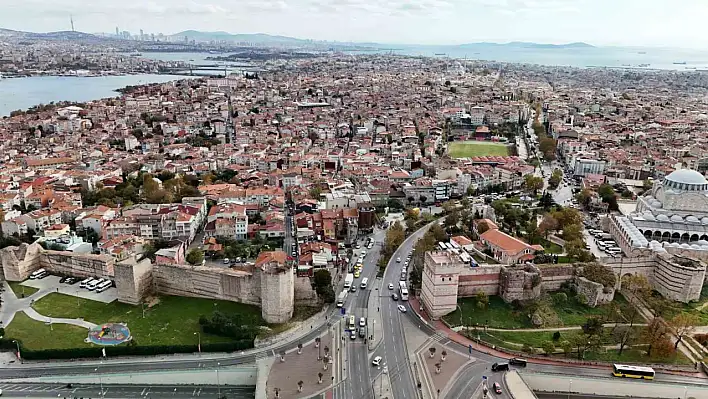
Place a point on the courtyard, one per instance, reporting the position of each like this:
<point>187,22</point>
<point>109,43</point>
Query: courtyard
<point>468,149</point>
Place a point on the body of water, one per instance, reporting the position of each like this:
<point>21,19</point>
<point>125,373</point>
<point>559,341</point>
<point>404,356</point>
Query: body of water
<point>22,93</point>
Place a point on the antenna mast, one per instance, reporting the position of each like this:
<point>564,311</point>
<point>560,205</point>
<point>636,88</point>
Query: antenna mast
<point>71,18</point>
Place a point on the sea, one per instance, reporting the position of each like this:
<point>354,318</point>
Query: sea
<point>22,93</point>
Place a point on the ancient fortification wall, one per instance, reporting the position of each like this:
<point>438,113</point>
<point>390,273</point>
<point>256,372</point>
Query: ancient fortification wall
<point>520,282</point>
<point>553,276</point>
<point>133,280</point>
<point>304,293</point>
<point>476,279</point>
<point>77,265</point>
<point>592,293</point>
<point>204,282</point>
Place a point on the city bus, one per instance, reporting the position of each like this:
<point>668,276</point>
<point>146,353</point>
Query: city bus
<point>403,290</point>
<point>620,370</point>
<point>442,246</point>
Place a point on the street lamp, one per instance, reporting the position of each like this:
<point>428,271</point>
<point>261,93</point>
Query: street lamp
<point>19,357</point>
<point>218,384</point>
<point>100,380</point>
<point>199,341</point>
<point>570,387</point>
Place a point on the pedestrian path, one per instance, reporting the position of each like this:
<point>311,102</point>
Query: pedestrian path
<point>569,328</point>
<point>11,305</point>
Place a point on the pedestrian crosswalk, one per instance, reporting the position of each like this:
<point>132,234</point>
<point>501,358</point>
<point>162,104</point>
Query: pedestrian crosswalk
<point>10,387</point>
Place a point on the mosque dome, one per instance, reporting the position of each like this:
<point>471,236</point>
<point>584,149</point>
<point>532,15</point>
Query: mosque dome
<point>692,219</point>
<point>676,219</point>
<point>702,243</point>
<point>687,180</point>
<point>648,216</point>
<point>685,246</point>
<point>662,218</point>
<point>704,220</point>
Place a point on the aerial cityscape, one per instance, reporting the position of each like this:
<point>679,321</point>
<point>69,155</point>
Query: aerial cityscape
<point>250,215</point>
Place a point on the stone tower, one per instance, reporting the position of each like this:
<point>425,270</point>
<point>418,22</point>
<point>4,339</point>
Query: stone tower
<point>440,280</point>
<point>277,292</point>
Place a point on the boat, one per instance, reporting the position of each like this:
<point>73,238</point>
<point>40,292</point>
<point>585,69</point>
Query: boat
<point>643,65</point>
<point>680,63</point>
<point>641,52</point>
<point>440,54</point>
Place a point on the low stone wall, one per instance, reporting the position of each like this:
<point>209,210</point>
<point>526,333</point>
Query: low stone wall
<point>554,275</point>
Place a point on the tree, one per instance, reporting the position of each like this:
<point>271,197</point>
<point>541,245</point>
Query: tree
<point>549,347</point>
<point>584,196</point>
<point>556,178</point>
<point>482,227</point>
<point>452,220</point>
<point>323,285</point>
<point>567,347</point>
<point>315,192</point>
<point>533,183</point>
<point>548,224</point>
<point>606,192</point>
<point>567,216</point>
<point>299,349</point>
<point>195,256</point>
<point>600,274</point>
<point>443,355</point>
<point>576,249</point>
<point>654,333</point>
<point>683,324</point>
<point>624,336</point>
<point>432,352</point>
<point>556,336</point>
<point>481,300</point>
<point>573,232</point>
<point>547,146</point>
<point>319,377</point>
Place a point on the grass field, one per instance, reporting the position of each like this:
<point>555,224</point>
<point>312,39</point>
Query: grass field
<point>19,289</point>
<point>37,335</point>
<point>502,315</point>
<point>467,149</point>
<point>173,321</point>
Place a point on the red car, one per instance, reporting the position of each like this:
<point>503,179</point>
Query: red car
<point>497,388</point>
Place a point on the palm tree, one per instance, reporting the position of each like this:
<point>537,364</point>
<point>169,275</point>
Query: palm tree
<point>299,385</point>
<point>443,355</point>
<point>319,377</point>
<point>299,349</point>
<point>432,352</point>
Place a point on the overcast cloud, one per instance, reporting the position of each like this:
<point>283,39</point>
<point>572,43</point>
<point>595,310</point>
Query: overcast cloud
<point>674,23</point>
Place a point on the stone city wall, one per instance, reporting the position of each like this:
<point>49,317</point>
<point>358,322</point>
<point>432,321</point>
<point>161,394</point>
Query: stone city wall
<point>520,282</point>
<point>304,292</point>
<point>554,275</point>
<point>77,265</point>
<point>475,279</point>
<point>206,282</point>
<point>592,293</point>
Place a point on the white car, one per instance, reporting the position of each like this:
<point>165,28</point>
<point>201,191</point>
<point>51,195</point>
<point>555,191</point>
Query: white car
<point>390,286</point>
<point>402,308</point>
<point>398,260</point>
<point>376,361</point>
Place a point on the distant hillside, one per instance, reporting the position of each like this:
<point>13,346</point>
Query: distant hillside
<point>576,45</point>
<point>255,38</point>
<point>61,35</point>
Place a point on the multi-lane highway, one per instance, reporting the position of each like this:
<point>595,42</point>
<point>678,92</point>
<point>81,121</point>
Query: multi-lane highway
<point>39,390</point>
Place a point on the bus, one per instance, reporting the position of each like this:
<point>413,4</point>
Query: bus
<point>621,370</point>
<point>403,290</point>
<point>455,245</point>
<point>442,246</point>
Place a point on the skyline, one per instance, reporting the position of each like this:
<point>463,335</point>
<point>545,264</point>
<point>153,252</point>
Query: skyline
<point>656,23</point>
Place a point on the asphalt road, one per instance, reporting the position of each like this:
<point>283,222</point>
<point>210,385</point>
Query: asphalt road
<point>43,390</point>
<point>395,351</point>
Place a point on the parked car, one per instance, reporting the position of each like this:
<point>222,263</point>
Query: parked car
<point>517,361</point>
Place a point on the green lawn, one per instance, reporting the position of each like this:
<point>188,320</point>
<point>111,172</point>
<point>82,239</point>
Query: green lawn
<point>172,321</point>
<point>636,355</point>
<point>501,315</point>
<point>19,289</point>
<point>37,335</point>
<point>497,315</point>
<point>551,248</point>
<point>467,149</point>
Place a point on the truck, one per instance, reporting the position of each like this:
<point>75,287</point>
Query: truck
<point>340,299</point>
<point>348,280</point>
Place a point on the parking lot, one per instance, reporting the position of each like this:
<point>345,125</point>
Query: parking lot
<point>52,284</point>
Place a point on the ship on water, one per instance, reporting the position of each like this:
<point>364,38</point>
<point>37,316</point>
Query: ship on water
<point>680,63</point>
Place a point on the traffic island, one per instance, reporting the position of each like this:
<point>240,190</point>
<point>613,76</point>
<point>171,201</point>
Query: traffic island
<point>439,364</point>
<point>303,371</point>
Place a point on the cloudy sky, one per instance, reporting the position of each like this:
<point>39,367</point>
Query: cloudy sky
<point>673,23</point>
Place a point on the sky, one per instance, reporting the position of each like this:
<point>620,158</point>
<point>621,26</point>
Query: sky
<point>651,23</point>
